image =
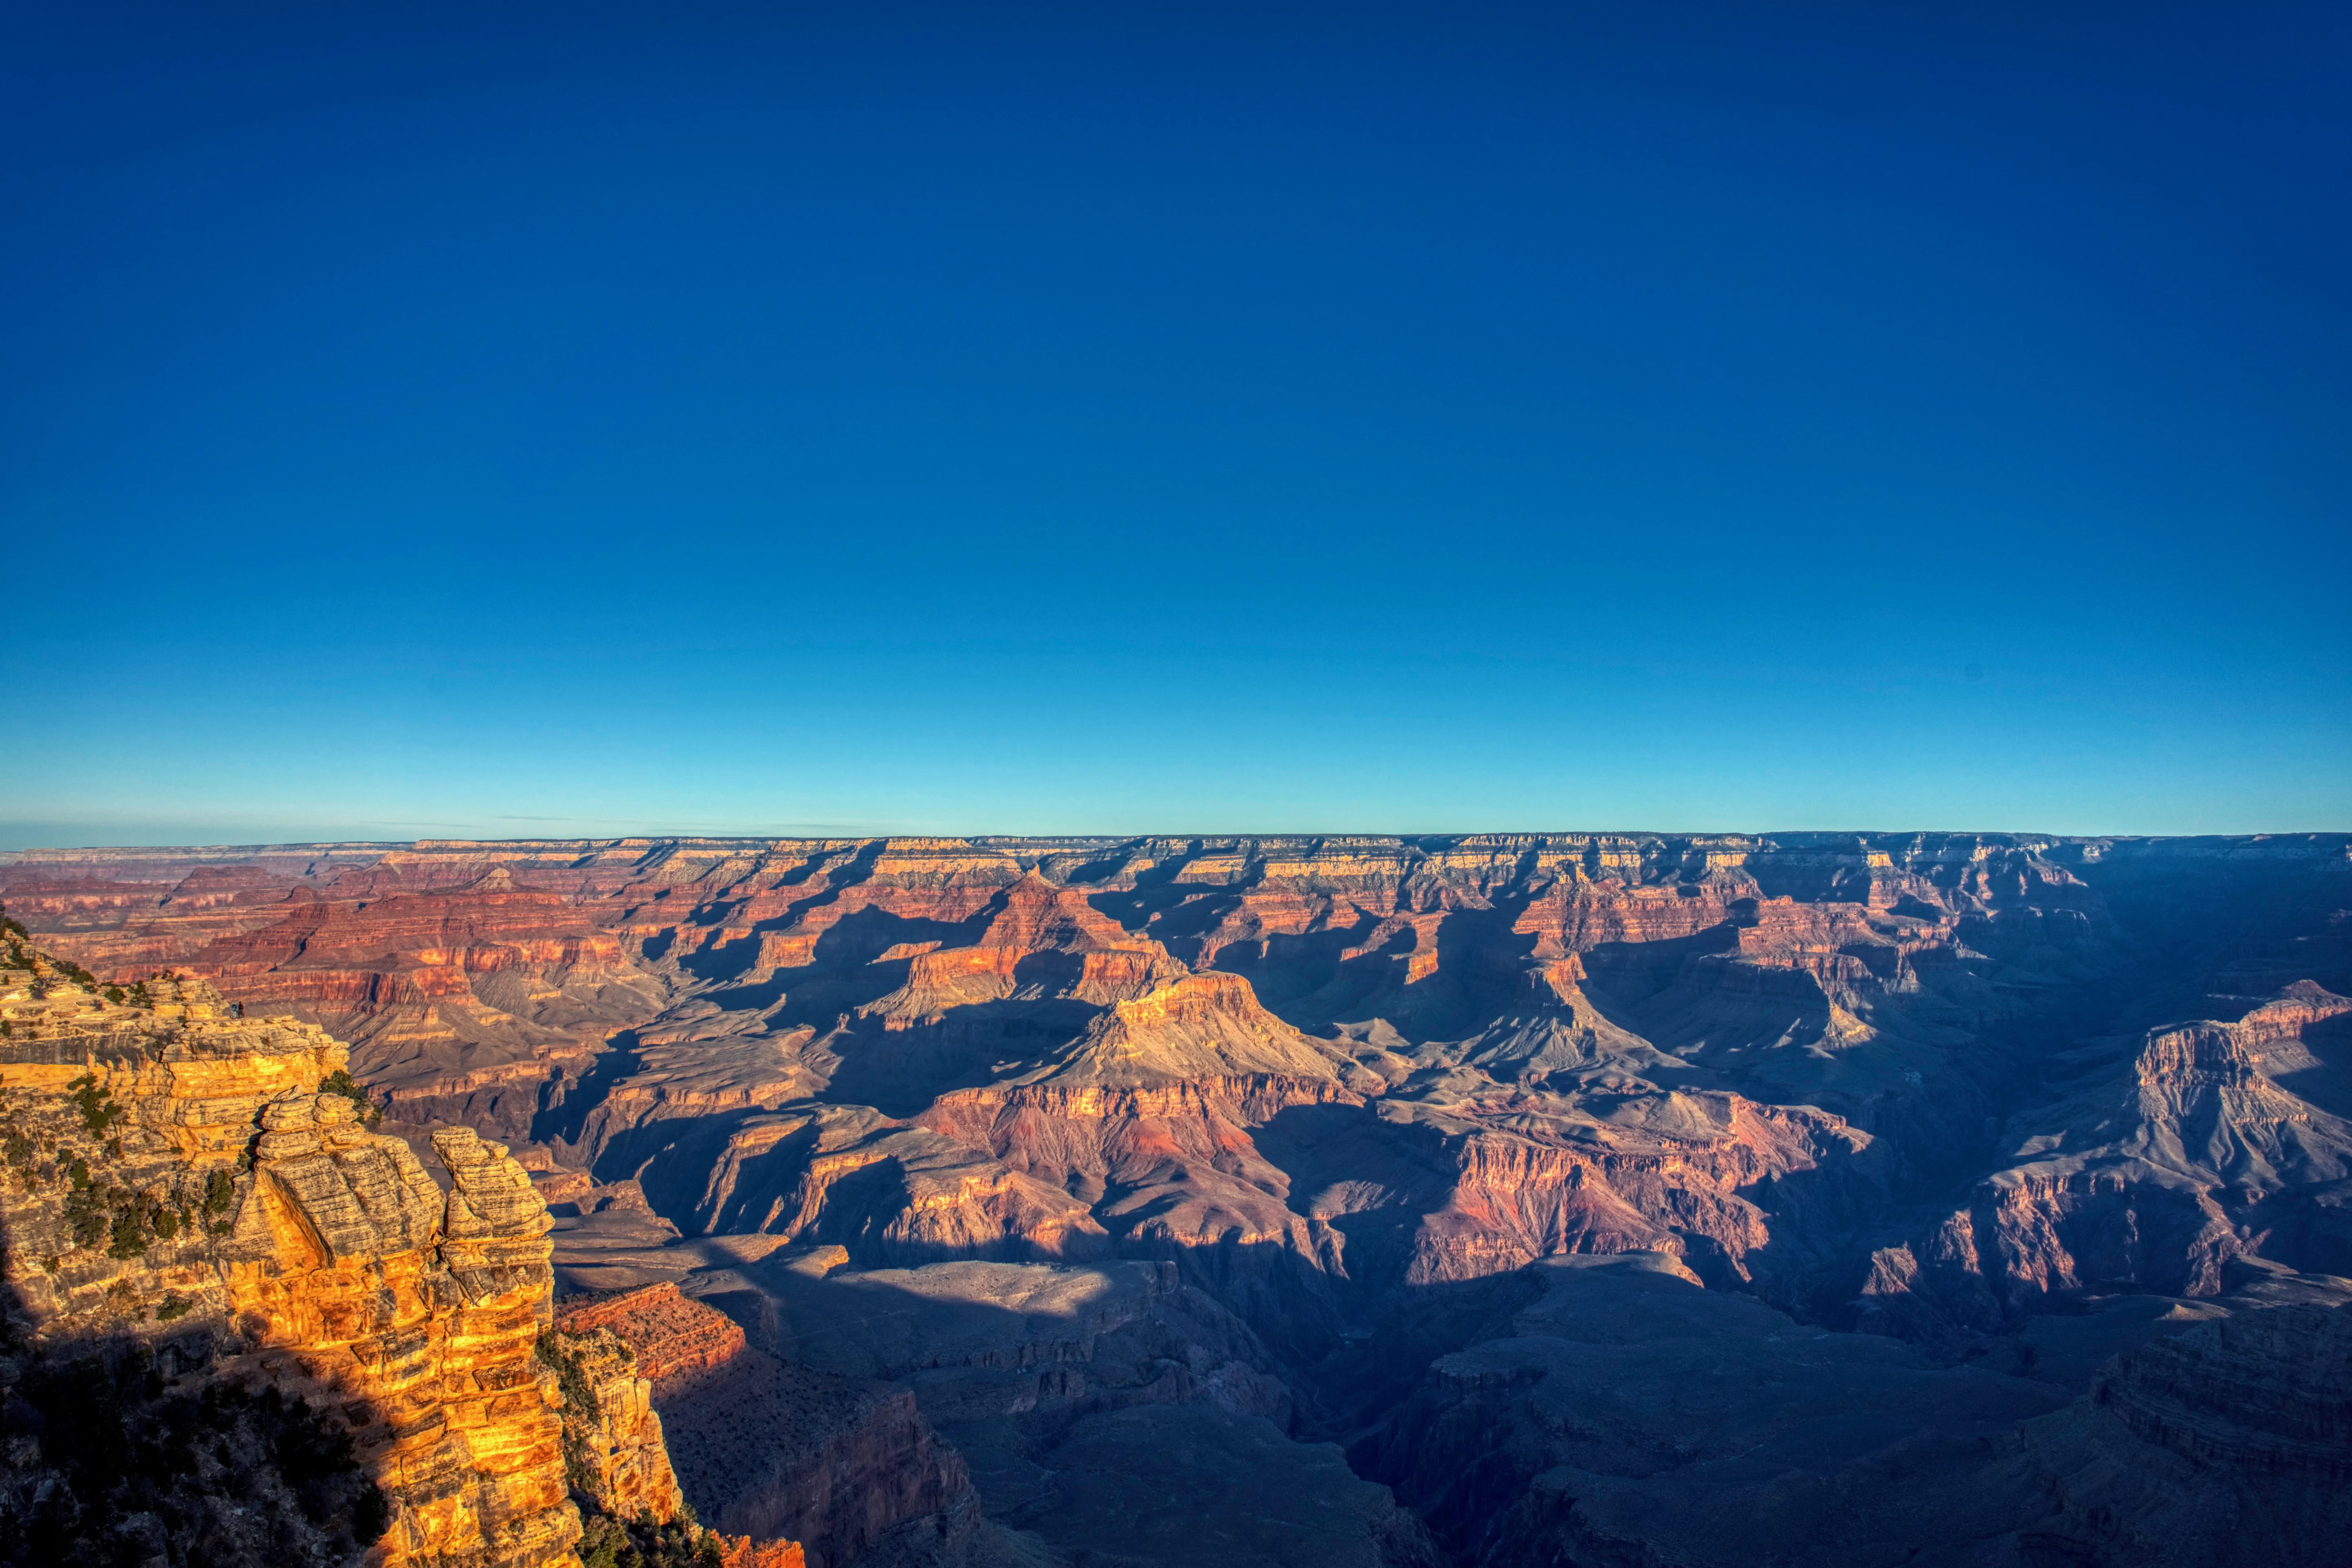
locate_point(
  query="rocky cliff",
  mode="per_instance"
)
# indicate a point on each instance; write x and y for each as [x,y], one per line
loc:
[196,1216]
[773,1450]
[184,1190]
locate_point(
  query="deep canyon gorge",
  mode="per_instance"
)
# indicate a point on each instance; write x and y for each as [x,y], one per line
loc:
[1595,1199]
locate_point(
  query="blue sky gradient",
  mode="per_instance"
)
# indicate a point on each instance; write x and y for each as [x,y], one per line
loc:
[556,420]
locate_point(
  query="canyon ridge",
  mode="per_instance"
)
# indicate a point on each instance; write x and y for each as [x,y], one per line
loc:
[1597,1199]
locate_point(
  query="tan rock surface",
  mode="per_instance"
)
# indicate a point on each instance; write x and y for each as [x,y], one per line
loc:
[333,1266]
[613,1447]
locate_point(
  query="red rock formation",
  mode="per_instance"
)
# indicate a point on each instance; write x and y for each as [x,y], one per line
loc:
[611,1356]
[669,1335]
[1610,981]
[126,914]
[1033,921]
[1327,1077]
[1676,1175]
[891,1192]
[1179,1157]
[743,1552]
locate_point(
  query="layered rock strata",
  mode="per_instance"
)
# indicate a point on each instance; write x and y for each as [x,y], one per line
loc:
[179,1176]
[664,1335]
[612,1449]
[1942,1087]
[2177,1152]
[180,1190]
[616,1453]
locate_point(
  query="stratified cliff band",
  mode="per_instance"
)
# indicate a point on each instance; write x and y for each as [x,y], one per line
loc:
[244,1327]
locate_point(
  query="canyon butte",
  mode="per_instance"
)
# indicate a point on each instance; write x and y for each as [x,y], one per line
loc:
[1595,1199]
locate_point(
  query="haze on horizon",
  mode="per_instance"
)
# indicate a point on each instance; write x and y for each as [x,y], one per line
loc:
[570,422]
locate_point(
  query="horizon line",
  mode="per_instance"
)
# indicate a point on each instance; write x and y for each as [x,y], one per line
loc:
[1117,838]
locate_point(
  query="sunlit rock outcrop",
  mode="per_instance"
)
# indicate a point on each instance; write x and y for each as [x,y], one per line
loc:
[183,1186]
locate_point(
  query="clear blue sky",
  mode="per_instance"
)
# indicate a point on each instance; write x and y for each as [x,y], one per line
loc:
[511,420]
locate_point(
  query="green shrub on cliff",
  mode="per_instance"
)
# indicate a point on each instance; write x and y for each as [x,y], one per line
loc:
[609,1542]
[129,1231]
[579,1409]
[341,1082]
[91,1097]
[74,972]
[88,1216]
